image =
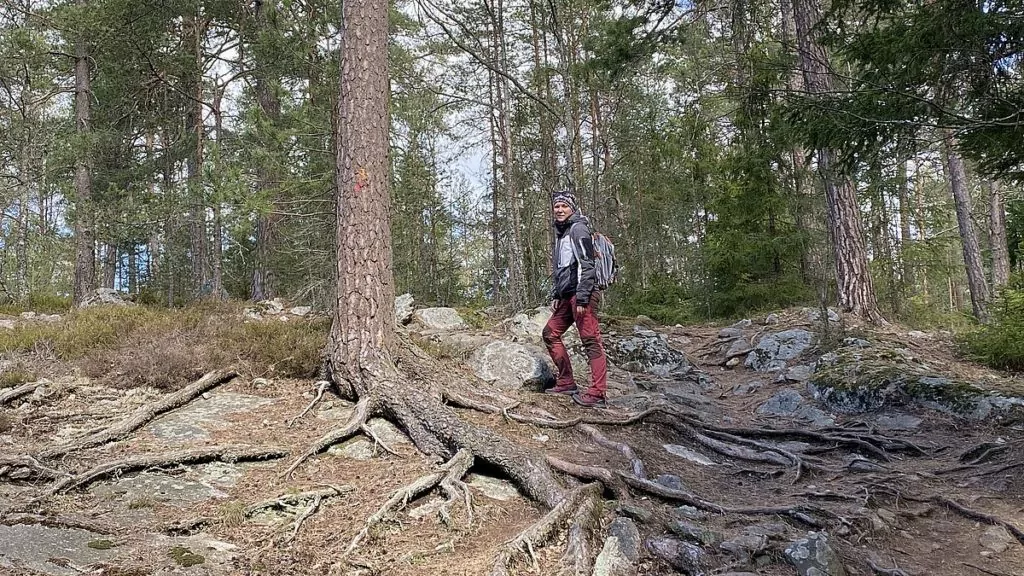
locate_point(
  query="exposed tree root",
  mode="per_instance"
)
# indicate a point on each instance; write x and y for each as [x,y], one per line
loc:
[983,570]
[541,531]
[735,451]
[879,571]
[450,472]
[796,511]
[286,502]
[578,557]
[602,475]
[355,424]
[18,391]
[862,441]
[198,456]
[972,514]
[634,461]
[377,441]
[144,414]
[59,521]
[324,385]
[313,507]
[463,401]
[439,431]
[25,467]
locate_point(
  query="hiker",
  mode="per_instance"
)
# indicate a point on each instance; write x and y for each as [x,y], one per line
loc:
[574,298]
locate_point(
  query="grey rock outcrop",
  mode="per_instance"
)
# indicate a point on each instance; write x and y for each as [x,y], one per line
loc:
[774,351]
[439,319]
[510,365]
[814,556]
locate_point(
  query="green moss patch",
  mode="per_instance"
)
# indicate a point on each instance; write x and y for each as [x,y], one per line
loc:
[185,557]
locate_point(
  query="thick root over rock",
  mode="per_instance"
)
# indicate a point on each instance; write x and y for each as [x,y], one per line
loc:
[448,475]
[144,415]
[524,544]
[198,456]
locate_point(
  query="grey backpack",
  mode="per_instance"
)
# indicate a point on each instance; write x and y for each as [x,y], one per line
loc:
[604,260]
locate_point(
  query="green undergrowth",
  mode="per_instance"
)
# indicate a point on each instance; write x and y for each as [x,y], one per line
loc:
[130,346]
[1000,343]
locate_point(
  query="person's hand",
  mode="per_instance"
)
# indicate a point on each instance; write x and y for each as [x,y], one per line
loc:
[580,310]
[554,305]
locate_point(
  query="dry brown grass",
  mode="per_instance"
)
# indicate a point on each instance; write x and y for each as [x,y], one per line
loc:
[166,348]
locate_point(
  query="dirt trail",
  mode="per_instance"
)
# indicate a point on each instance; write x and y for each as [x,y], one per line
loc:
[877,500]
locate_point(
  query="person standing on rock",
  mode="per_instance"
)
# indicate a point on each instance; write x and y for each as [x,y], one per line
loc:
[574,299]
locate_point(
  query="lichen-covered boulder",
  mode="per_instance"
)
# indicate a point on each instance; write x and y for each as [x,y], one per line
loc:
[529,324]
[404,308]
[646,351]
[774,351]
[105,297]
[510,365]
[621,550]
[855,379]
[813,556]
[439,319]
[683,556]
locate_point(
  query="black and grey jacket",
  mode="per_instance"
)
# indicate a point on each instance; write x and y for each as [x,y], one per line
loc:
[573,261]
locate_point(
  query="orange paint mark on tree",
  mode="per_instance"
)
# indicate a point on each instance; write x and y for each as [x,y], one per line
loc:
[362,179]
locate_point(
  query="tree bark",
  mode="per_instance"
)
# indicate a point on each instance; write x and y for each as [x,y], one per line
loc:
[957,175]
[853,277]
[269,178]
[905,209]
[217,248]
[997,236]
[363,331]
[197,203]
[85,263]
[109,267]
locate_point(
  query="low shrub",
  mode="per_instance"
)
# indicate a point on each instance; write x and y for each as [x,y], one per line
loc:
[1000,343]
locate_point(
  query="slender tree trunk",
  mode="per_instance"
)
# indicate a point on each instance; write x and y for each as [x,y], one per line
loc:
[805,212]
[508,164]
[109,265]
[85,264]
[153,242]
[197,208]
[905,210]
[496,260]
[263,280]
[133,270]
[363,332]
[922,230]
[853,277]
[217,247]
[957,176]
[997,236]
[21,283]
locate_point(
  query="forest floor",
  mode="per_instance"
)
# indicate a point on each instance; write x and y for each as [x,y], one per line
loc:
[884,507]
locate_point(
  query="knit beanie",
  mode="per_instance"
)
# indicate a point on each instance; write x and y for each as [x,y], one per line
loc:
[567,198]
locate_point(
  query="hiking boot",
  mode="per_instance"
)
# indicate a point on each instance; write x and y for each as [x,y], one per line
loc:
[564,389]
[588,401]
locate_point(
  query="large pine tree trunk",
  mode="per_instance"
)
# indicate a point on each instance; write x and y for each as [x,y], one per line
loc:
[363,342]
[957,176]
[997,236]
[85,262]
[853,278]
[362,336]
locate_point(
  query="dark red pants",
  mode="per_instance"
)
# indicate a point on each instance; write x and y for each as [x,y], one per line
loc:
[590,333]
